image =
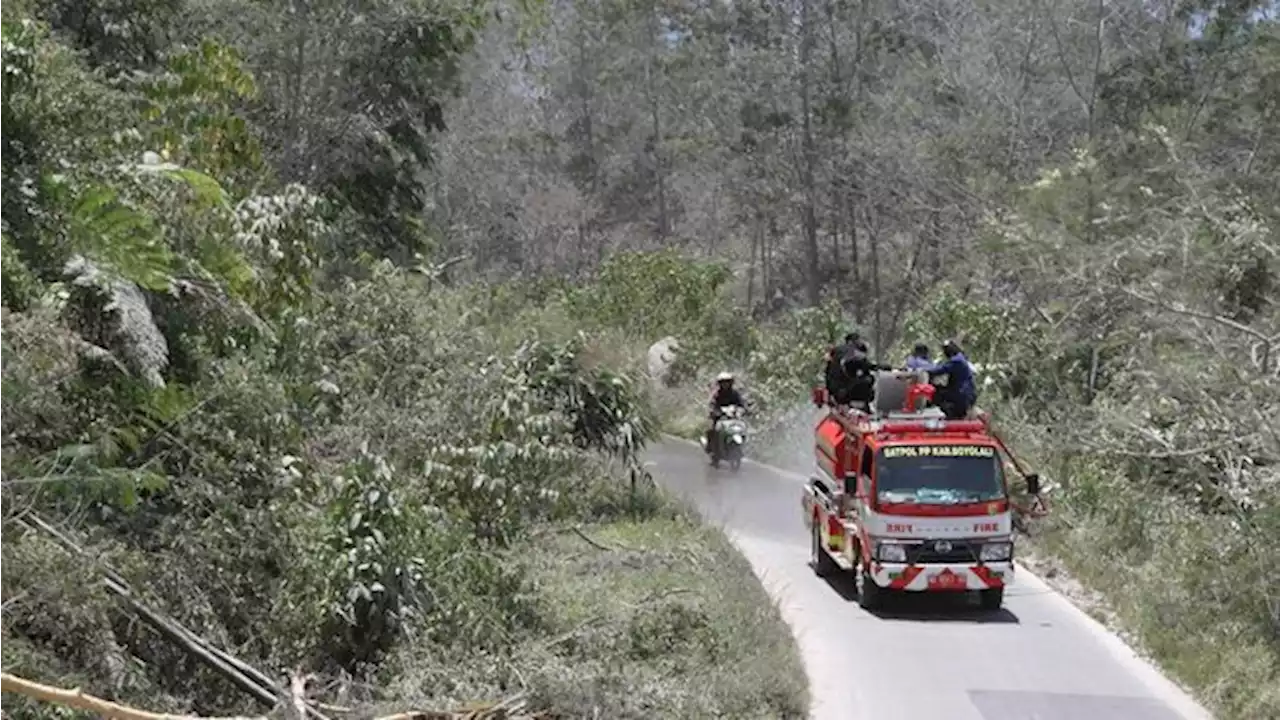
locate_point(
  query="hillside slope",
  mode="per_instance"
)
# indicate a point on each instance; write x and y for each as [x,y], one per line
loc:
[239,387]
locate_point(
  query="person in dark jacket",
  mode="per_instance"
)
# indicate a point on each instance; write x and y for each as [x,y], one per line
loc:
[838,381]
[860,370]
[725,395]
[957,397]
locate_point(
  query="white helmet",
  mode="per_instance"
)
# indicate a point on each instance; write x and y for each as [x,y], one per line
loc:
[724,377]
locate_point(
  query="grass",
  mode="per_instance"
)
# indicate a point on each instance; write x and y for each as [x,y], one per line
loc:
[1153,599]
[668,599]
[1176,584]
[680,410]
[657,618]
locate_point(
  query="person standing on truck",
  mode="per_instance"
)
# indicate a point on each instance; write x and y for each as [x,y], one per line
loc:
[862,380]
[957,397]
[919,359]
[861,370]
[837,380]
[725,395]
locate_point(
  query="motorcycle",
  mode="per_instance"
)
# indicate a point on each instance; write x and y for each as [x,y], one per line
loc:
[730,437]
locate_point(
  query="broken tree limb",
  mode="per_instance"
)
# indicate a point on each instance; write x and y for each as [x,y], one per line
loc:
[508,709]
[241,674]
[75,698]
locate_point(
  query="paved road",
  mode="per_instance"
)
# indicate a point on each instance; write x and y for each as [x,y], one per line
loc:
[932,658]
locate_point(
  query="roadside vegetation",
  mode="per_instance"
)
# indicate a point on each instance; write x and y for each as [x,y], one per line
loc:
[241,383]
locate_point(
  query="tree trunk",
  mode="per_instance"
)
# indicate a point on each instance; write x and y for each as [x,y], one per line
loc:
[859,286]
[757,237]
[655,116]
[813,282]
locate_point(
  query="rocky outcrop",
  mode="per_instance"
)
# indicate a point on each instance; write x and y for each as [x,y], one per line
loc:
[662,356]
[114,314]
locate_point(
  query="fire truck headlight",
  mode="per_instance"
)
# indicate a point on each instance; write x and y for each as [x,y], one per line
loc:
[997,552]
[891,552]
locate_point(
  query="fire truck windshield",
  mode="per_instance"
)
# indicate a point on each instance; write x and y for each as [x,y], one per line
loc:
[944,474]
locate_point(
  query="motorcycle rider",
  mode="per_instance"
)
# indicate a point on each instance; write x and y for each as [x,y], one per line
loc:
[725,395]
[958,396]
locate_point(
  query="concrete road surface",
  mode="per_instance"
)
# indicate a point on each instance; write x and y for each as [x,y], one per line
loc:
[929,658]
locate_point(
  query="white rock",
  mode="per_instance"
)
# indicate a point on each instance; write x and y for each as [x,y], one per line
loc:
[662,355]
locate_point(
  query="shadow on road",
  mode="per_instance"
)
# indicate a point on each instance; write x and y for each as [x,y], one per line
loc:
[926,607]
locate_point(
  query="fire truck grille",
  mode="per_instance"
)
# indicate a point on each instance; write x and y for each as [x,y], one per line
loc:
[942,551]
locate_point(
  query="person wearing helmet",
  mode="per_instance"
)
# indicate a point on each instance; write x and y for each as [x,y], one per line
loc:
[725,395]
[957,397]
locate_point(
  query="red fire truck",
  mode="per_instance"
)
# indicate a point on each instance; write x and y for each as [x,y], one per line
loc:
[908,500]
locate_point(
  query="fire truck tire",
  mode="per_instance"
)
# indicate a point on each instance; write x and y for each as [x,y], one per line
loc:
[870,595]
[991,598]
[819,558]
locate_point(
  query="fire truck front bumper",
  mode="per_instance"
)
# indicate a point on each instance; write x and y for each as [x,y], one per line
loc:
[957,577]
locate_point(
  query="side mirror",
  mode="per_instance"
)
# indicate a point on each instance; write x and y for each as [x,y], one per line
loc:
[1033,483]
[820,396]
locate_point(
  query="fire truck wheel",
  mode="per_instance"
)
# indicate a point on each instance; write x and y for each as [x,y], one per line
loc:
[870,595]
[991,598]
[823,565]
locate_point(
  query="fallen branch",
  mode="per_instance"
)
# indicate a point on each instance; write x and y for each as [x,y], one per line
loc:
[76,698]
[1180,309]
[241,674]
[9,601]
[1165,454]
[593,543]
[577,530]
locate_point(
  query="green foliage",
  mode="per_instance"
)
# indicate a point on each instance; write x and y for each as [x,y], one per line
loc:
[375,585]
[395,566]
[311,469]
[653,294]
[117,35]
[19,46]
[18,283]
[788,358]
[121,241]
[19,38]
[40,357]
[986,332]
[193,109]
[279,234]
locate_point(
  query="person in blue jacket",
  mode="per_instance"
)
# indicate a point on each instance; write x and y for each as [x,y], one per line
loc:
[919,358]
[961,392]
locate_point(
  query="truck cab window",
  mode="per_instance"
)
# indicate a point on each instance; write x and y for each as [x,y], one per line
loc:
[930,478]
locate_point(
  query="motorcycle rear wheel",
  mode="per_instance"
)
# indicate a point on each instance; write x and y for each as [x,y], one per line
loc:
[735,458]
